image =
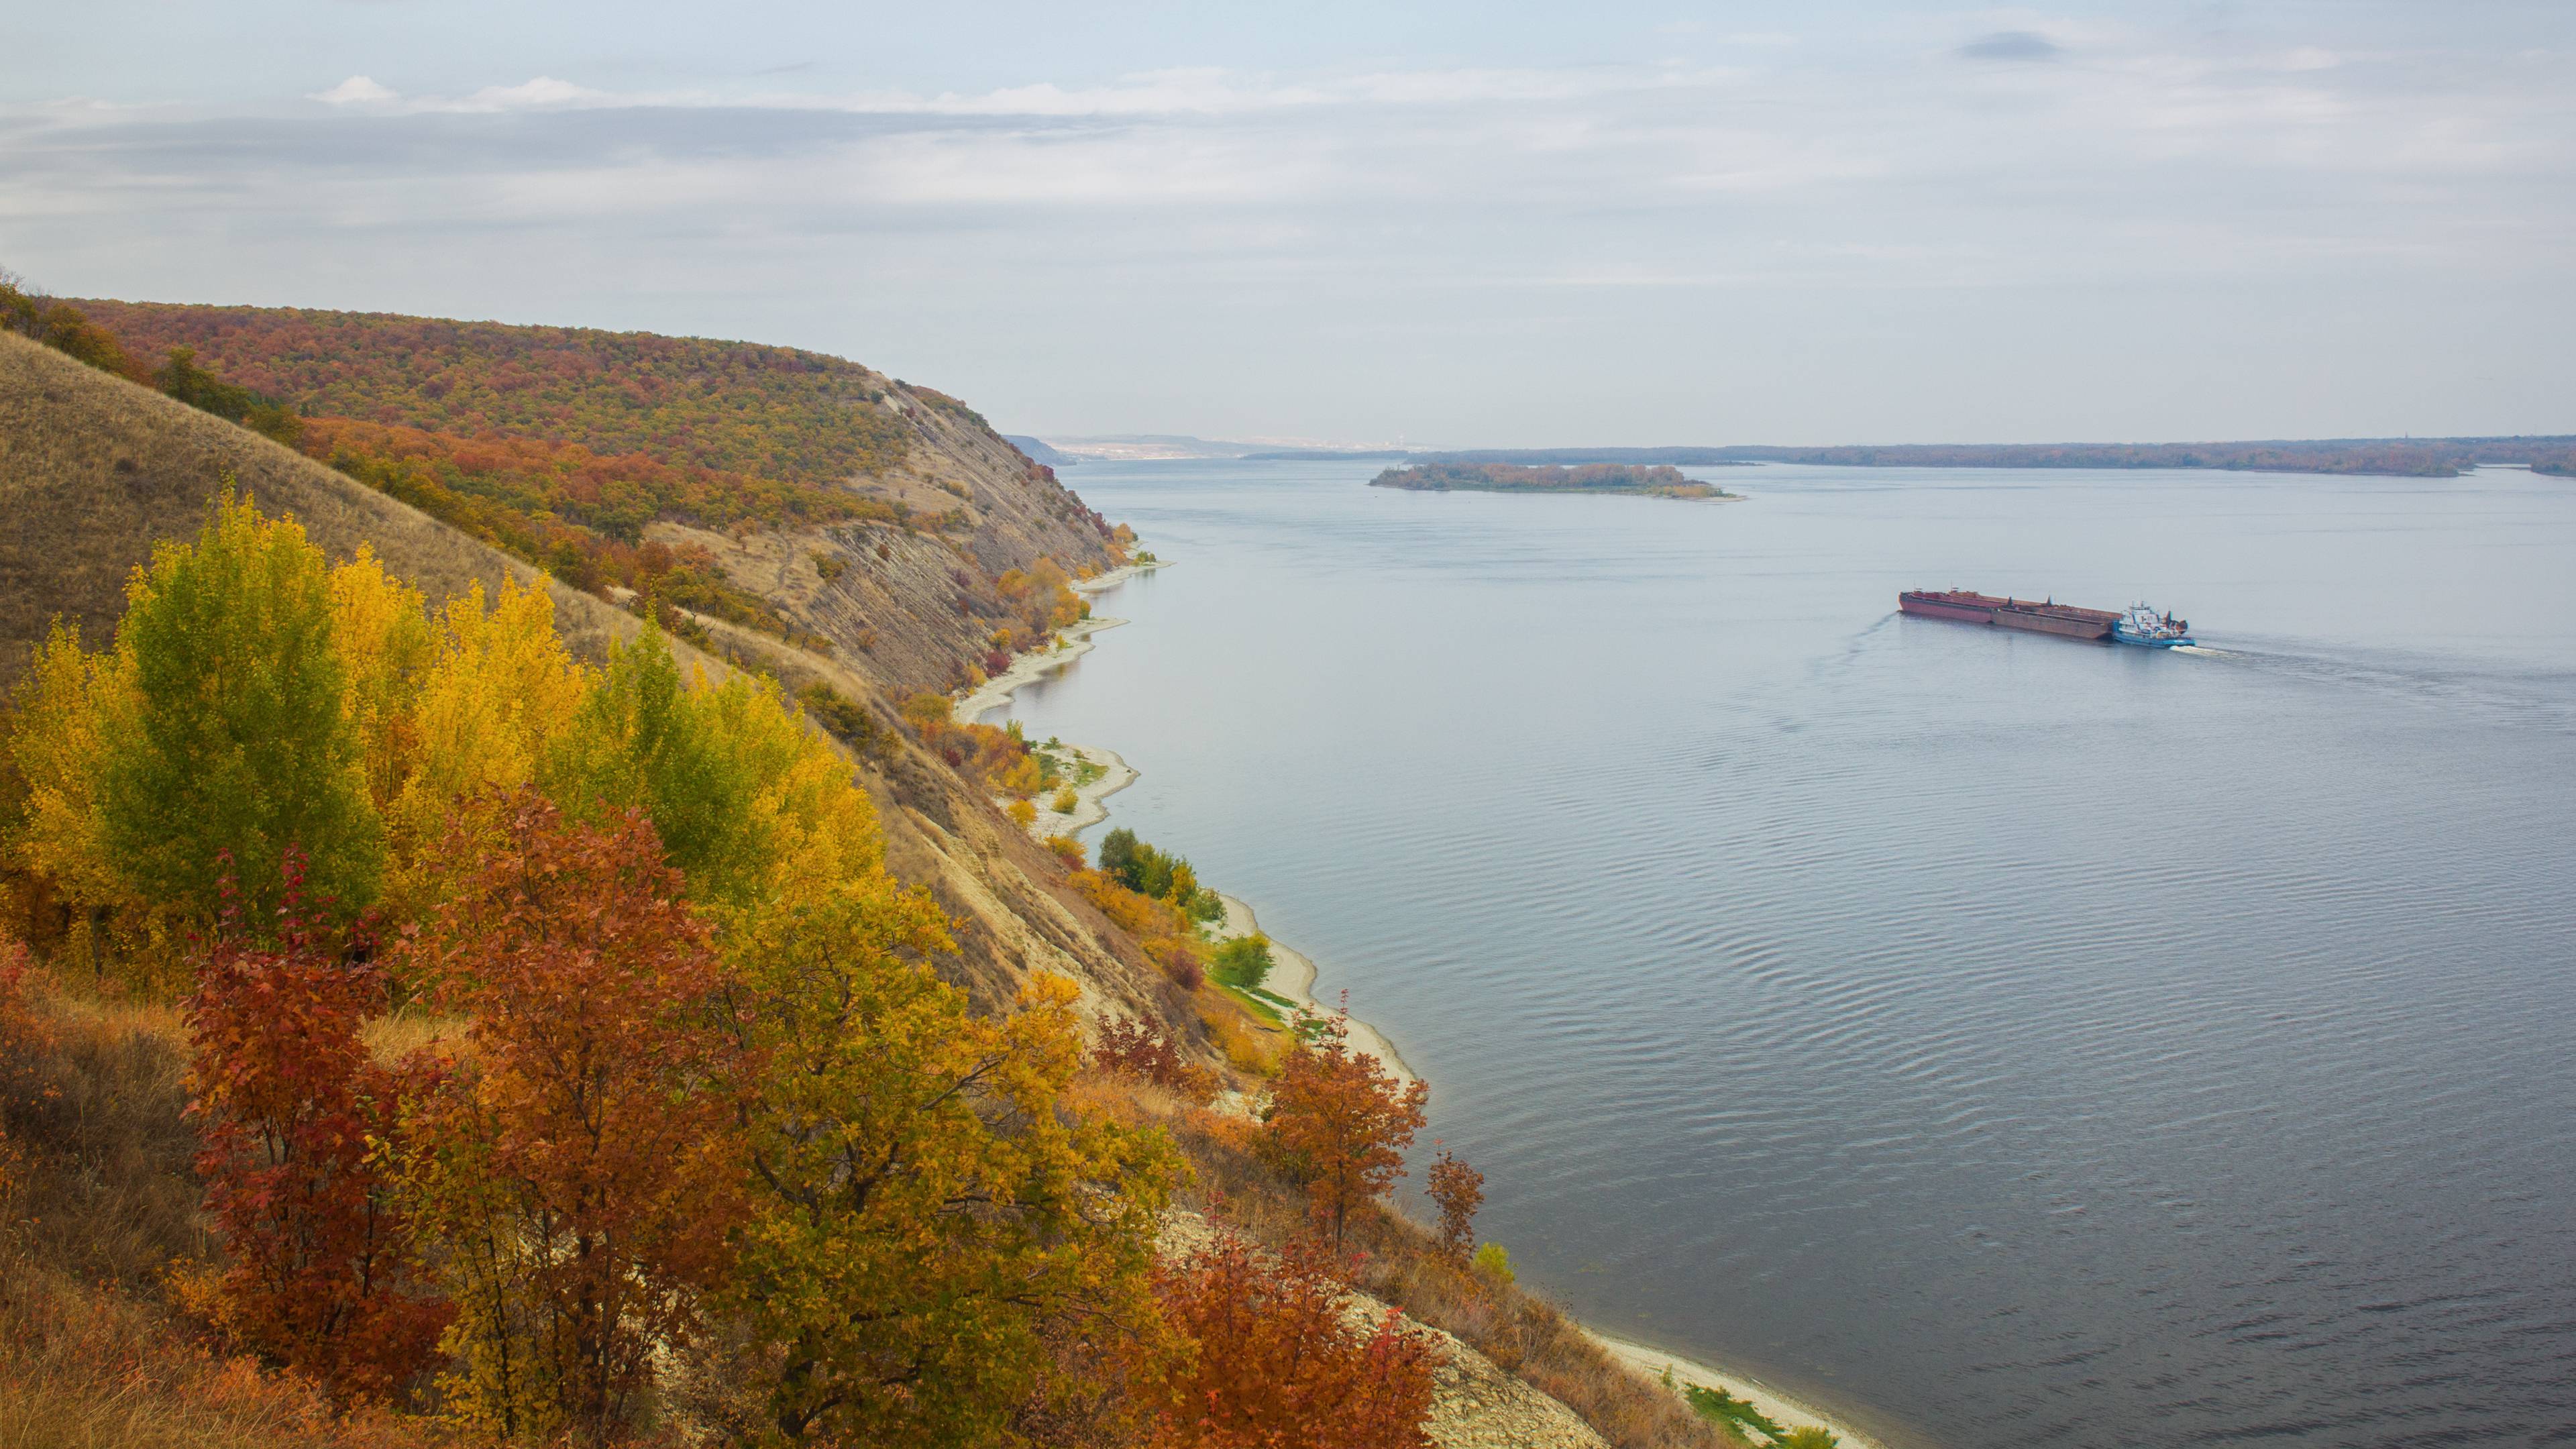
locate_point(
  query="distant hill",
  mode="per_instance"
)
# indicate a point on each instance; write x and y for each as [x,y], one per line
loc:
[1039,452]
[2391,457]
[1147,446]
[2400,457]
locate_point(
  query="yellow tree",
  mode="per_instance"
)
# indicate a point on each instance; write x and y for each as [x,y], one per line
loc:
[382,631]
[928,1229]
[56,747]
[499,691]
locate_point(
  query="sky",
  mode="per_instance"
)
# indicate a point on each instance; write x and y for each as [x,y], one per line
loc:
[1461,225]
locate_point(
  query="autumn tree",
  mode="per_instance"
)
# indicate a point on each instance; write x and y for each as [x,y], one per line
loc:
[235,737]
[55,746]
[1458,1190]
[581,1166]
[1340,1124]
[1280,1363]
[925,1225]
[296,1121]
[497,694]
[729,775]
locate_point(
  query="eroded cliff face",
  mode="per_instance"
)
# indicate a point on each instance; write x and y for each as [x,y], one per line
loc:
[95,470]
[911,604]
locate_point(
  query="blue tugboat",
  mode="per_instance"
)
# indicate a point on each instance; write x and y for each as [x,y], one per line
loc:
[2144,627]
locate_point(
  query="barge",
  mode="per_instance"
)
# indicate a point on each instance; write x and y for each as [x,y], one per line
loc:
[2038,616]
[2140,625]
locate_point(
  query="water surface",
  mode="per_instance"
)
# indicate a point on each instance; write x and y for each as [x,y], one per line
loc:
[2001,1039]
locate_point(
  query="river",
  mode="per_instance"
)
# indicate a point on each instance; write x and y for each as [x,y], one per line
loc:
[1997,1039]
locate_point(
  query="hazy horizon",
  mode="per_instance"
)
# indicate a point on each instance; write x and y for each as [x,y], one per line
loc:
[1793,225]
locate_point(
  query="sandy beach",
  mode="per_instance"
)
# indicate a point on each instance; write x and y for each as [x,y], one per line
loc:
[1294,978]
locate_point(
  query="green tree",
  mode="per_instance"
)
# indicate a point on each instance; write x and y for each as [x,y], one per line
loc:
[641,743]
[730,776]
[1117,850]
[238,742]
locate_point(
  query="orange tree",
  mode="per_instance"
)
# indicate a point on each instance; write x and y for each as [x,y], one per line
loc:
[1340,1124]
[318,1273]
[1280,1365]
[581,1165]
[1458,1190]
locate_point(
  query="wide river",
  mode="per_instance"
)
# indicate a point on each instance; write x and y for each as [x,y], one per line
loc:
[2000,1040]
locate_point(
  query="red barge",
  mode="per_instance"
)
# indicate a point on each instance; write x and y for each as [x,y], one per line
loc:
[2040,617]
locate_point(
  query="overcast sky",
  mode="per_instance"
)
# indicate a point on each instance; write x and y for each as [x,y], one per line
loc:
[1595,223]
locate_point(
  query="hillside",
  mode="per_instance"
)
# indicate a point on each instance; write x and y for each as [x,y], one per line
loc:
[803,496]
[98,470]
[95,470]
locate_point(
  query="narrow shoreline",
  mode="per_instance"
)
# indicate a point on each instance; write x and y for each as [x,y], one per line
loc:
[1786,1410]
[1294,978]
[1071,643]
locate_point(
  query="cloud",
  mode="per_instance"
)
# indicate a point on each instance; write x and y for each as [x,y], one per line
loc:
[354,90]
[544,90]
[2012,45]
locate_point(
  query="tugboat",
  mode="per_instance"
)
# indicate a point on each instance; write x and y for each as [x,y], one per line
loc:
[2144,627]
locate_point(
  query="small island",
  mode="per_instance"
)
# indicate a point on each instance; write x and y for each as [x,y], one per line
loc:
[1659,481]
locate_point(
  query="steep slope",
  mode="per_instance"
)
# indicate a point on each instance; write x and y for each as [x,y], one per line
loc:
[872,515]
[95,470]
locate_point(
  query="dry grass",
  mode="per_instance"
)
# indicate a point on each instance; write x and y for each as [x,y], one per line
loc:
[97,1203]
[94,470]
[407,1029]
[83,1367]
[92,1105]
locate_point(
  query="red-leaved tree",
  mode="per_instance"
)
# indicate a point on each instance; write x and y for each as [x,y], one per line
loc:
[298,1122]
[1458,1190]
[1339,1123]
[1280,1364]
[583,1166]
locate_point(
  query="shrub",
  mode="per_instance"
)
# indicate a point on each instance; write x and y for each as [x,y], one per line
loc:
[297,1117]
[1023,814]
[1244,961]
[1066,801]
[1280,1364]
[1129,1048]
[1494,1263]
